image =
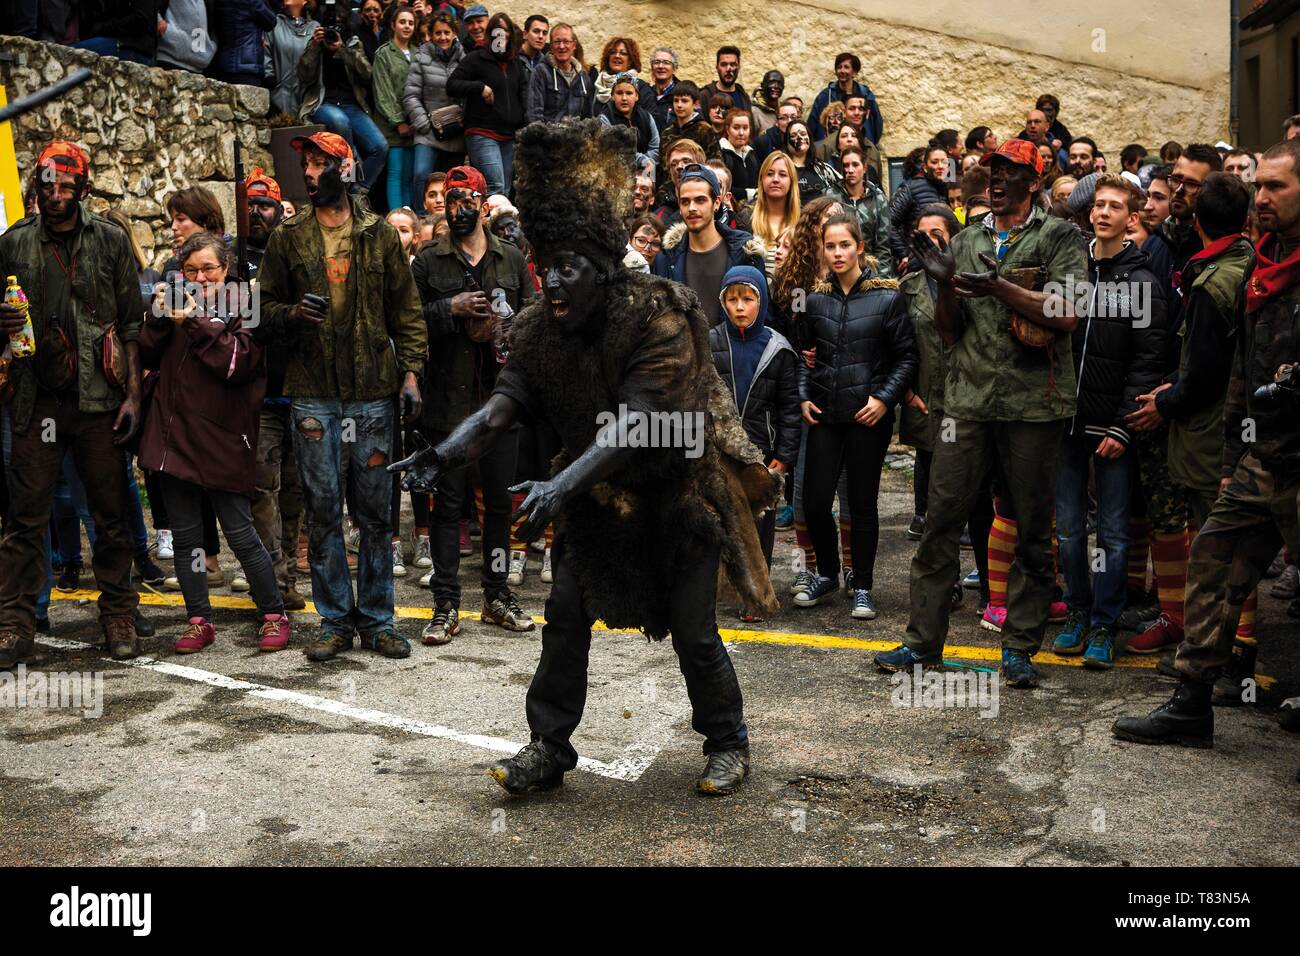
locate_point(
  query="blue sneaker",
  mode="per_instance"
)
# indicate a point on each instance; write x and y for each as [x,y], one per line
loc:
[1017,669]
[802,580]
[863,609]
[971,582]
[1100,655]
[903,658]
[1072,638]
[818,590]
[785,518]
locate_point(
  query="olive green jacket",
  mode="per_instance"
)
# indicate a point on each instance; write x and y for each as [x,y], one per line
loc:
[105,292]
[388,336]
[914,427]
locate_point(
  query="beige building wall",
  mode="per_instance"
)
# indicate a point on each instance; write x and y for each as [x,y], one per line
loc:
[1158,69]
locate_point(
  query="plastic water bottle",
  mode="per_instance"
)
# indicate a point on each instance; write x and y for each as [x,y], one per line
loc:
[504,314]
[23,342]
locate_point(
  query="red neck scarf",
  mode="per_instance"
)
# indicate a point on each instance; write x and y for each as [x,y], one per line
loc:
[1215,249]
[1270,278]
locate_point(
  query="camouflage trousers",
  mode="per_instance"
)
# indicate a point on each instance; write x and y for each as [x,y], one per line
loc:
[1249,521]
[1166,503]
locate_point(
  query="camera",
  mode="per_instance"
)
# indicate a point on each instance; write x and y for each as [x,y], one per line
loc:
[1285,382]
[336,19]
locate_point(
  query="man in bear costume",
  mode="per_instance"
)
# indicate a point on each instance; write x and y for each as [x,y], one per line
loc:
[644,535]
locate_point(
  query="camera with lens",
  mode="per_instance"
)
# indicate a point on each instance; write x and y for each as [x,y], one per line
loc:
[1286,382]
[336,20]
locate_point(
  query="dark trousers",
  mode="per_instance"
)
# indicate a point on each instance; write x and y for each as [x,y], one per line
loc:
[921,481]
[57,426]
[277,506]
[862,449]
[559,690]
[497,472]
[1028,453]
[1249,521]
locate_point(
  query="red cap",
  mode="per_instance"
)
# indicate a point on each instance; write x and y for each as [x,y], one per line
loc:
[332,144]
[259,184]
[465,177]
[1017,151]
[67,155]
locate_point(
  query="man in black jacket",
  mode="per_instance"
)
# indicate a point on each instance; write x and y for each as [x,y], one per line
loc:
[1118,355]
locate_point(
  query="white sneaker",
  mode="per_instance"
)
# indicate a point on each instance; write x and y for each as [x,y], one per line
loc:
[547,577]
[239,583]
[426,578]
[172,583]
[518,563]
[423,556]
[399,565]
[539,545]
[166,547]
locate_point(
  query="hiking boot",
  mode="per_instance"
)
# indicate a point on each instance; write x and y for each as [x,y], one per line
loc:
[293,600]
[444,626]
[1287,586]
[120,638]
[399,563]
[916,528]
[994,618]
[1164,632]
[547,575]
[423,553]
[518,564]
[273,633]
[785,518]
[1100,655]
[816,591]
[863,609]
[530,770]
[903,658]
[723,772]
[143,627]
[503,610]
[387,642]
[327,647]
[1072,638]
[1186,719]
[1238,676]
[1017,669]
[802,580]
[197,635]
[69,580]
[14,649]
[149,572]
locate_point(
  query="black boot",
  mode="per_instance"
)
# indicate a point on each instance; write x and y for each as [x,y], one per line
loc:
[724,772]
[1187,719]
[533,768]
[142,625]
[1231,689]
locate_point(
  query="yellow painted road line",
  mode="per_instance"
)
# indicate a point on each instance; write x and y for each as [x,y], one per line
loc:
[732,635]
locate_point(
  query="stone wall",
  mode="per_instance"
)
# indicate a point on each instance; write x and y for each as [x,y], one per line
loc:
[148,131]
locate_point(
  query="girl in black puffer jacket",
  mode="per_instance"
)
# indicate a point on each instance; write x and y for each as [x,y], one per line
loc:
[866,360]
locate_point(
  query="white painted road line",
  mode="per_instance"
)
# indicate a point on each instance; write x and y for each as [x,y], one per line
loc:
[634,762]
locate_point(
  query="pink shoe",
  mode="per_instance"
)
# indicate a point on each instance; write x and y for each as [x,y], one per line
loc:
[274,633]
[995,616]
[1058,612]
[466,548]
[197,635]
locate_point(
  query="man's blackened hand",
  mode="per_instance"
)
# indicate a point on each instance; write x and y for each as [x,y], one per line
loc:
[310,310]
[935,258]
[410,401]
[127,422]
[542,503]
[12,320]
[421,471]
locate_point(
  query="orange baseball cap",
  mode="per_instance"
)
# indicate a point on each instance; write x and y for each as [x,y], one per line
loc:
[332,144]
[1019,151]
[465,177]
[258,184]
[68,155]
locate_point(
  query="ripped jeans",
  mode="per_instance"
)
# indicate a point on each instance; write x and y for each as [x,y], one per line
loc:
[324,430]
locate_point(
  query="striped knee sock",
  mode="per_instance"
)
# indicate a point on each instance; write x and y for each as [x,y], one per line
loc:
[1002,551]
[516,502]
[1169,557]
[846,543]
[1246,626]
[803,540]
[1139,548]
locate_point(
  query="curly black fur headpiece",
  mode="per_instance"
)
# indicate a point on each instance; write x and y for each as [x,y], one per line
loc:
[573,186]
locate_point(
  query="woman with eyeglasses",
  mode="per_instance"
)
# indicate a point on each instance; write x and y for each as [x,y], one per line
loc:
[646,240]
[200,432]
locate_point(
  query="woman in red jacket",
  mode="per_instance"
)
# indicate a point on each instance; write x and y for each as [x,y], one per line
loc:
[200,432]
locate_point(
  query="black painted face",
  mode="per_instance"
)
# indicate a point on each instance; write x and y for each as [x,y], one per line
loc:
[263,216]
[57,195]
[573,288]
[508,228]
[773,85]
[463,211]
[323,175]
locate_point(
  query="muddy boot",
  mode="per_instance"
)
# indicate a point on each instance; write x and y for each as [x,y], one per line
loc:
[1187,719]
[121,639]
[14,649]
[724,772]
[532,769]
[1237,682]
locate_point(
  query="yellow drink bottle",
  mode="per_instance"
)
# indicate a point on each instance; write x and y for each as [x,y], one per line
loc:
[23,342]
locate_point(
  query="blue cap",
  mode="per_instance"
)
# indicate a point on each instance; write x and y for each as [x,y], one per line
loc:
[475,10]
[700,171]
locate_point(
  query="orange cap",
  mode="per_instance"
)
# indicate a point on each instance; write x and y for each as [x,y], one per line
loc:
[68,155]
[1018,151]
[259,183]
[332,144]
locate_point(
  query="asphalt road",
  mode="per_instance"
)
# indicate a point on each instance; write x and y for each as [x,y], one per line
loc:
[236,757]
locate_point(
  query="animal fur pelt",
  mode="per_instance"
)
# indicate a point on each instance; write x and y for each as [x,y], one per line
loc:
[622,538]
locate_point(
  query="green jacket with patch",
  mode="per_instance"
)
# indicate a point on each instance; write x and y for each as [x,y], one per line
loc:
[387,337]
[105,292]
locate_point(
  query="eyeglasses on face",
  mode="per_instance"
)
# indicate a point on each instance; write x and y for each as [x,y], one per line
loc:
[212,269]
[646,243]
[1177,182]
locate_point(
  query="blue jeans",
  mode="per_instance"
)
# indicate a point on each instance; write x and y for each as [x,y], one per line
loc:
[398,177]
[324,430]
[368,144]
[1101,591]
[428,159]
[495,160]
[108,46]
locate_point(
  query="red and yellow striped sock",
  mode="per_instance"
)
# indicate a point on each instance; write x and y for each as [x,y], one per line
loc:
[804,541]
[1246,626]
[1002,551]
[1139,549]
[846,543]
[516,502]
[549,535]
[1169,558]
[478,506]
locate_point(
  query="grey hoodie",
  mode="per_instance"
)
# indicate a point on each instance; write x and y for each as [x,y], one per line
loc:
[287,40]
[187,43]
